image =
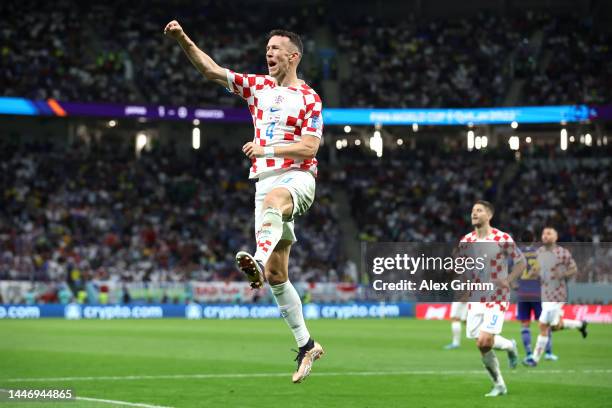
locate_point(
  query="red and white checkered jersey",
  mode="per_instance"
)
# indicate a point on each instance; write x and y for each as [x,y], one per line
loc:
[281,116]
[497,249]
[554,262]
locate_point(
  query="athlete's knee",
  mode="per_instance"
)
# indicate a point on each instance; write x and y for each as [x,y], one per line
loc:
[484,343]
[276,275]
[483,348]
[275,198]
[280,199]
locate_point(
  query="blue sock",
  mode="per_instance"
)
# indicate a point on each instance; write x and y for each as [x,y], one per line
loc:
[549,344]
[526,336]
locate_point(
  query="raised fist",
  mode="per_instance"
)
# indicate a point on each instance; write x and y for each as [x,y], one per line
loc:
[173,30]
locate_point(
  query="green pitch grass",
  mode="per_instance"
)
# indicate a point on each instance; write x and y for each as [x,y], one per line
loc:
[248,363]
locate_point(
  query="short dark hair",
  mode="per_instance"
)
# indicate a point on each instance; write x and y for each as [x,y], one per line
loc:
[486,205]
[550,226]
[294,38]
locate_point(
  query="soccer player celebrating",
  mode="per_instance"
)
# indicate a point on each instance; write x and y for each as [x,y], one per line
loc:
[458,314]
[556,266]
[529,296]
[288,125]
[485,318]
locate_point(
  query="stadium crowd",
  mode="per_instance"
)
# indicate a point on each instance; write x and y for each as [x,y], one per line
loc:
[572,194]
[63,51]
[97,213]
[576,65]
[416,196]
[81,215]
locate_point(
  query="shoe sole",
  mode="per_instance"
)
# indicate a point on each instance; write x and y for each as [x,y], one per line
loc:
[246,263]
[315,354]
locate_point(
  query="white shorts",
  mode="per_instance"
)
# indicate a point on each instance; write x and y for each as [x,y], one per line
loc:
[483,318]
[300,184]
[459,310]
[552,313]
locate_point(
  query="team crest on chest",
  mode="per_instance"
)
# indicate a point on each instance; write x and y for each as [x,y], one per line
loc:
[279,100]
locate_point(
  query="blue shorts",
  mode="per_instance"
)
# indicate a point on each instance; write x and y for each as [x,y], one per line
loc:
[524,310]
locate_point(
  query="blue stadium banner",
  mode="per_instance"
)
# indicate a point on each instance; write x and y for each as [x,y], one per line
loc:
[74,311]
[454,117]
[331,116]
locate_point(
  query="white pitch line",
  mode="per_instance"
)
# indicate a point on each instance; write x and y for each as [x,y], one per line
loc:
[123,403]
[113,402]
[318,374]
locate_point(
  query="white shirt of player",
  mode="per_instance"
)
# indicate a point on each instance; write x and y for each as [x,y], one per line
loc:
[497,249]
[281,116]
[554,262]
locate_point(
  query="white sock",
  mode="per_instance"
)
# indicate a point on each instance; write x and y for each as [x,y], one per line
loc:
[269,234]
[491,363]
[540,347]
[572,324]
[456,329]
[290,306]
[502,343]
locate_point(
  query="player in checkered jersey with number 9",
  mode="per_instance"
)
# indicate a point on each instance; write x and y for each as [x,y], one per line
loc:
[486,311]
[288,125]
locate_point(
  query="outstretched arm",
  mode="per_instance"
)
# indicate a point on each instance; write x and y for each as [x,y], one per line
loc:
[203,63]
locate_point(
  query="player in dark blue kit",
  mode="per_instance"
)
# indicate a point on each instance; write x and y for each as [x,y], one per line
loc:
[529,296]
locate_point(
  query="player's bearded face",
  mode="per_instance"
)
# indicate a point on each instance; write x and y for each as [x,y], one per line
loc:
[480,215]
[549,236]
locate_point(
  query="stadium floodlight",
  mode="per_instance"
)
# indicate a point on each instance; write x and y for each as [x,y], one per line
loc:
[470,140]
[376,143]
[338,144]
[141,141]
[195,138]
[357,142]
[112,123]
[572,139]
[514,124]
[400,142]
[563,141]
[605,140]
[344,143]
[581,139]
[514,142]
[478,143]
[196,122]
[347,129]
[415,127]
[588,139]
[528,139]
[484,141]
